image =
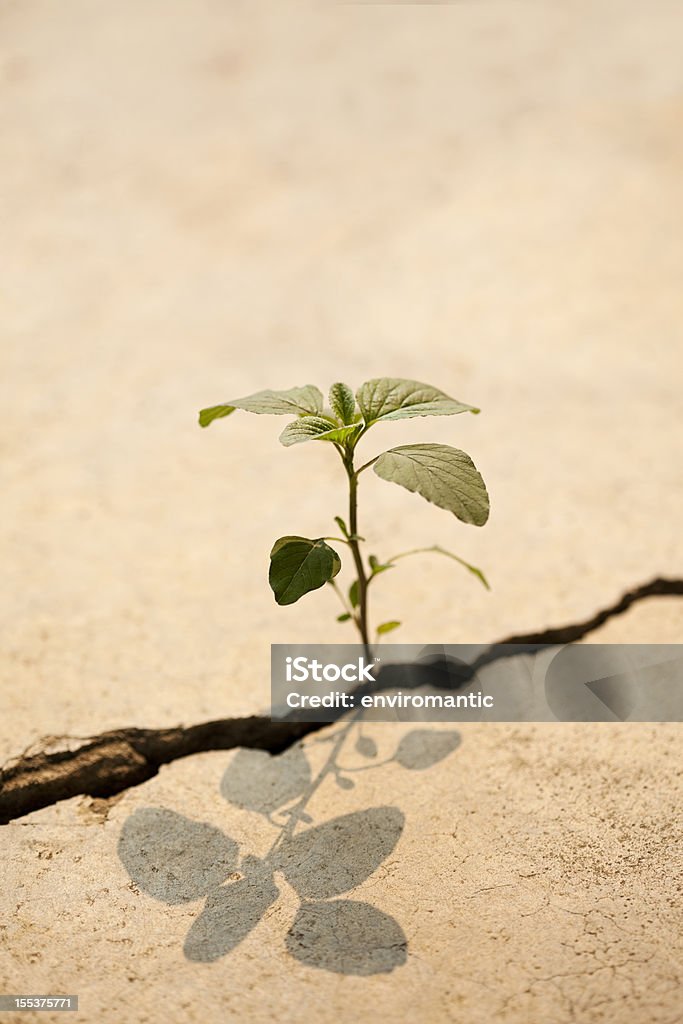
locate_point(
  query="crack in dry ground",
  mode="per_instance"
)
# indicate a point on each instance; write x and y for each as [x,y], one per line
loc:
[114,761]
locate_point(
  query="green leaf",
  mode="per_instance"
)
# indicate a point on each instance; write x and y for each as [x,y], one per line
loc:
[299,565]
[342,402]
[443,475]
[342,526]
[344,617]
[467,565]
[313,428]
[214,412]
[437,549]
[376,566]
[340,434]
[388,627]
[353,594]
[295,401]
[394,398]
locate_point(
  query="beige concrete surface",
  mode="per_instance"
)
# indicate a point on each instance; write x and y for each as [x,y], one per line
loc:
[540,885]
[202,200]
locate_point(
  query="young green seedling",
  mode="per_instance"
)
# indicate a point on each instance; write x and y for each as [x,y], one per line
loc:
[442,475]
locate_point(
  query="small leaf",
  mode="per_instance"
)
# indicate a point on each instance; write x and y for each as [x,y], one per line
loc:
[394,398]
[313,428]
[345,783]
[342,402]
[337,856]
[294,401]
[173,858]
[382,568]
[342,526]
[347,937]
[423,748]
[366,746]
[437,549]
[299,565]
[376,567]
[443,475]
[214,412]
[341,434]
[257,781]
[354,598]
[344,617]
[388,627]
[467,565]
[231,912]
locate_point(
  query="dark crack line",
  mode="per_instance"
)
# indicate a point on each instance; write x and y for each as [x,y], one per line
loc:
[117,760]
[114,761]
[659,587]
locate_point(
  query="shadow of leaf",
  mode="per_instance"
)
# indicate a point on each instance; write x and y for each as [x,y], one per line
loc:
[231,912]
[173,858]
[257,781]
[366,746]
[339,855]
[421,748]
[347,937]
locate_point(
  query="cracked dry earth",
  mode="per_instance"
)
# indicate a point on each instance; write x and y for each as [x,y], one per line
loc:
[205,200]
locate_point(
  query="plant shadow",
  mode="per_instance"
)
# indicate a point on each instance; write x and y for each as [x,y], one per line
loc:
[177,860]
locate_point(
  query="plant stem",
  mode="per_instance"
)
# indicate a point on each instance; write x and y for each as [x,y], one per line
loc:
[328,768]
[438,550]
[345,604]
[366,465]
[362,619]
